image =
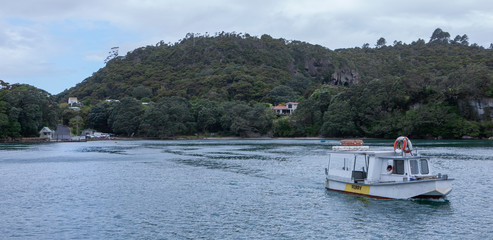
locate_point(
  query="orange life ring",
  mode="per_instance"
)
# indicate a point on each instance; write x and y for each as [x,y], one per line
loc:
[404,141]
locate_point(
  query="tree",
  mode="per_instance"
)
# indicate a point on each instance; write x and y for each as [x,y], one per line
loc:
[298,84]
[76,124]
[282,94]
[440,37]
[282,127]
[166,118]
[30,108]
[243,120]
[339,120]
[113,53]
[381,42]
[308,116]
[4,120]
[141,92]
[125,116]
[462,40]
[207,115]
[98,117]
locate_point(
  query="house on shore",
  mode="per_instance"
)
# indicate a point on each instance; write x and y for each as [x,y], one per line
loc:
[62,133]
[287,109]
[46,133]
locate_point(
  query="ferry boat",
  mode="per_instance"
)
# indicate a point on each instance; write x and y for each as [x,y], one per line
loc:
[396,174]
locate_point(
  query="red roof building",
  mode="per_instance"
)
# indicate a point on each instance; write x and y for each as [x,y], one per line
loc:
[287,109]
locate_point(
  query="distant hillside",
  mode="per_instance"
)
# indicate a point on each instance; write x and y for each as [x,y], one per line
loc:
[224,67]
[224,85]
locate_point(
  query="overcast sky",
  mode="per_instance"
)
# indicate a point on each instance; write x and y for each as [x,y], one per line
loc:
[55,44]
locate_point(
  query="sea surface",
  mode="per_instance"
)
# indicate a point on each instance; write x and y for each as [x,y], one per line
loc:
[227,189]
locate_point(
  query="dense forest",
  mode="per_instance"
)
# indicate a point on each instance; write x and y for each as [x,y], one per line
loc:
[226,84]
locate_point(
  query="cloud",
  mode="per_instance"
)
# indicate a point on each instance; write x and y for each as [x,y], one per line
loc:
[59,39]
[22,49]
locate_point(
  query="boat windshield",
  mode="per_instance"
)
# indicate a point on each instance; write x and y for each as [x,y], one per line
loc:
[419,166]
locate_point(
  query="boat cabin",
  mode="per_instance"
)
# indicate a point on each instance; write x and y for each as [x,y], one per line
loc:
[374,167]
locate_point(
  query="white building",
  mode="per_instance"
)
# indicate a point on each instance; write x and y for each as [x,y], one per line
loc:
[287,109]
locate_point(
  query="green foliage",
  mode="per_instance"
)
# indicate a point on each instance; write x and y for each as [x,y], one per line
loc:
[340,120]
[240,119]
[207,114]
[224,84]
[125,116]
[168,117]
[76,125]
[308,117]
[98,117]
[381,42]
[440,37]
[24,110]
[283,128]
[141,92]
[225,67]
[282,94]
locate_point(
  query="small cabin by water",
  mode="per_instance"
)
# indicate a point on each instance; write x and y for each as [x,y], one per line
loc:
[46,133]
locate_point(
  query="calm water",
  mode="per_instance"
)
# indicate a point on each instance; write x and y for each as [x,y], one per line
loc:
[227,189]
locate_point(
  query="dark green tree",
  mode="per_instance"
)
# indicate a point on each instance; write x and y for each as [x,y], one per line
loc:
[381,42]
[98,117]
[243,120]
[207,114]
[282,94]
[339,120]
[141,92]
[125,116]
[166,118]
[29,107]
[308,117]
[440,37]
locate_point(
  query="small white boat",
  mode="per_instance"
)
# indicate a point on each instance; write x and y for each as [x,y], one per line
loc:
[396,174]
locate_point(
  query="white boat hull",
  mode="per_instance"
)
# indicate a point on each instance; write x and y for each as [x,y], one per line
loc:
[433,188]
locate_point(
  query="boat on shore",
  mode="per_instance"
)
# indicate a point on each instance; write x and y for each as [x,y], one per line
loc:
[396,174]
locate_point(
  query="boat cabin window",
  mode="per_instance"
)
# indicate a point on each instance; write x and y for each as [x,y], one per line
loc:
[419,166]
[348,162]
[398,167]
[414,166]
[424,166]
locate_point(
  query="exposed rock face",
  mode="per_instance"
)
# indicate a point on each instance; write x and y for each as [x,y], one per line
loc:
[345,77]
[483,108]
[318,67]
[324,70]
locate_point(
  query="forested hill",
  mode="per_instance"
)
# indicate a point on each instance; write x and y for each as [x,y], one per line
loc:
[224,67]
[230,66]
[225,84]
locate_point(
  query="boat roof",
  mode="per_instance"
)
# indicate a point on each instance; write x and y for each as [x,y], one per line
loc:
[379,154]
[365,152]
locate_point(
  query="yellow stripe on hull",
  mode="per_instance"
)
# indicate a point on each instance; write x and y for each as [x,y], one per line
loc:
[360,189]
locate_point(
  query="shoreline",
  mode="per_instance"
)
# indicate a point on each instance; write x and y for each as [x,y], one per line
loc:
[44,140]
